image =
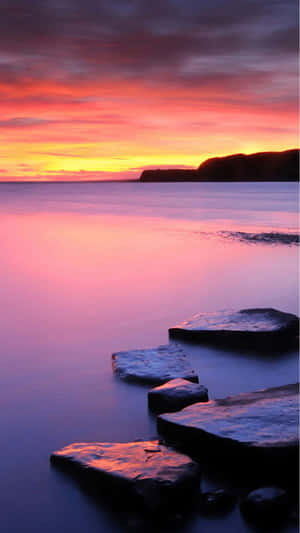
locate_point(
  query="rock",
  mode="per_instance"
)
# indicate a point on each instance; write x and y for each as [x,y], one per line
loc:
[153,475]
[216,501]
[136,523]
[261,427]
[154,366]
[176,394]
[262,238]
[261,327]
[294,514]
[266,504]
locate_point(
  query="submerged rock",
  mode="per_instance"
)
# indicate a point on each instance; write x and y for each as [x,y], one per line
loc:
[154,366]
[261,426]
[176,394]
[294,513]
[216,501]
[154,475]
[266,504]
[271,237]
[261,326]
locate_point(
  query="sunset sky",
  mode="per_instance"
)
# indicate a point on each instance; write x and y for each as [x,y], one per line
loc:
[93,89]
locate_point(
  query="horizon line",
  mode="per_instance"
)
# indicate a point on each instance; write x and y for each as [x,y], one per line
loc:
[68,181]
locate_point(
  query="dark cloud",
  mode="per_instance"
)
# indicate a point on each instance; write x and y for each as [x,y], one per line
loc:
[58,154]
[185,42]
[22,122]
[31,122]
[283,40]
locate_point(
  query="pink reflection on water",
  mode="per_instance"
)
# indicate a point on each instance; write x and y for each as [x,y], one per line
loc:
[73,275]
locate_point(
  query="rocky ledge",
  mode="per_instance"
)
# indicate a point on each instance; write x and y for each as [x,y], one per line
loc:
[153,366]
[260,426]
[175,395]
[270,237]
[155,476]
[262,327]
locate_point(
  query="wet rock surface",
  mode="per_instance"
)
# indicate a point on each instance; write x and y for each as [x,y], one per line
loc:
[153,366]
[262,424]
[294,514]
[263,238]
[261,326]
[266,505]
[216,501]
[152,474]
[175,395]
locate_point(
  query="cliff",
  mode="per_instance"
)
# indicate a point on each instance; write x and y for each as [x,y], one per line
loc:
[172,174]
[262,166]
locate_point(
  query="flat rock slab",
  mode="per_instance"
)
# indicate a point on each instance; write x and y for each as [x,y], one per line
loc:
[175,395]
[155,475]
[154,366]
[260,325]
[264,422]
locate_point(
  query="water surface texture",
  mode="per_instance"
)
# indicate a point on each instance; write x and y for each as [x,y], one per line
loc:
[93,268]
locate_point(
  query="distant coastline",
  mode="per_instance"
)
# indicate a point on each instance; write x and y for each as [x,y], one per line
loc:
[258,167]
[261,166]
[61,182]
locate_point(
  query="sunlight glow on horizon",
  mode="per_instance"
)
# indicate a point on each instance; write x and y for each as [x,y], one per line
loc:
[93,95]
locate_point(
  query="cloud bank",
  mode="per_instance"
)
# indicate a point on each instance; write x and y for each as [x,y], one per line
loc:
[140,81]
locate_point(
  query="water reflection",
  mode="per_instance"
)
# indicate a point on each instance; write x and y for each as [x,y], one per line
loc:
[86,273]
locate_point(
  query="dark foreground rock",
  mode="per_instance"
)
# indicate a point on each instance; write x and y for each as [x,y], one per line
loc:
[216,501]
[262,327]
[266,505]
[153,366]
[155,476]
[175,395]
[294,513]
[261,428]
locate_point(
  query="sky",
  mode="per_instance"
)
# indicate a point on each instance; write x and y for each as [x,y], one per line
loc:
[91,89]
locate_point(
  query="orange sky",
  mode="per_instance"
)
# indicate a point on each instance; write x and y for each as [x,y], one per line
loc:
[89,95]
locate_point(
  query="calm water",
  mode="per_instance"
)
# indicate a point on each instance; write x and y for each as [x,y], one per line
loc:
[88,269]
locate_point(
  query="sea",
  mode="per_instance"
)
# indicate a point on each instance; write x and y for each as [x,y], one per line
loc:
[88,269]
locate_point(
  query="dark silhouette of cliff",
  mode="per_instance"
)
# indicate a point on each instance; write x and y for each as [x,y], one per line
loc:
[262,166]
[172,174]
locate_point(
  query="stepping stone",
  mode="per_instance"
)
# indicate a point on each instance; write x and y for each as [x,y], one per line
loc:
[154,366]
[258,326]
[153,475]
[175,395]
[266,504]
[262,425]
